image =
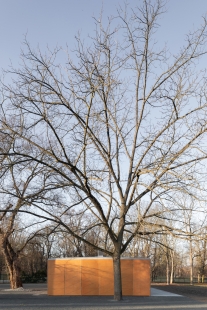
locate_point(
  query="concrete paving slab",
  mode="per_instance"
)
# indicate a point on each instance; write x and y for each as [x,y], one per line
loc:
[41,288]
[159,293]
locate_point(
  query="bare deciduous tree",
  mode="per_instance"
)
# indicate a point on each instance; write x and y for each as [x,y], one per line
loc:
[122,123]
[18,190]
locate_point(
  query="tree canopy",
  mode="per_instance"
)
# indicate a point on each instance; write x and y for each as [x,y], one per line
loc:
[118,130]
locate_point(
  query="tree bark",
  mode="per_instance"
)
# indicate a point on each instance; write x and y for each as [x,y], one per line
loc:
[117,277]
[172,268]
[12,262]
[15,275]
[167,271]
[191,263]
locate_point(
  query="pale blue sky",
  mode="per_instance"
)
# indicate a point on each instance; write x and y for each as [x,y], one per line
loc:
[55,22]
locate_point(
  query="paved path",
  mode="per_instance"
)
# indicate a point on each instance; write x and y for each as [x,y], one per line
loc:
[197,292]
[36,298]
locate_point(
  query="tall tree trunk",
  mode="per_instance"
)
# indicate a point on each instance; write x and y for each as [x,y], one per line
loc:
[117,277]
[191,263]
[117,256]
[12,262]
[167,270]
[15,274]
[172,268]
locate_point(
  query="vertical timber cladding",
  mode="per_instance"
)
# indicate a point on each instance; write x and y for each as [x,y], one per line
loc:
[94,276]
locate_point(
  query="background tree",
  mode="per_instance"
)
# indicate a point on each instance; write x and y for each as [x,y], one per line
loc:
[18,189]
[121,124]
[200,253]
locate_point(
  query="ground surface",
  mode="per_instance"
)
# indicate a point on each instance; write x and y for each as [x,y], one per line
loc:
[196,292]
[35,297]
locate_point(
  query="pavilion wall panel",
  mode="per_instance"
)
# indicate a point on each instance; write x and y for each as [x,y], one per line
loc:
[94,276]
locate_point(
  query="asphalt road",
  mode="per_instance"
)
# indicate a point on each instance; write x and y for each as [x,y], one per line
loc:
[35,297]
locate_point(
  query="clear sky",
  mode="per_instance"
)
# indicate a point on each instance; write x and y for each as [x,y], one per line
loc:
[55,22]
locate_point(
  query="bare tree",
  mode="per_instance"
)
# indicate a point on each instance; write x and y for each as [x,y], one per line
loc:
[121,124]
[193,219]
[18,190]
[198,247]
